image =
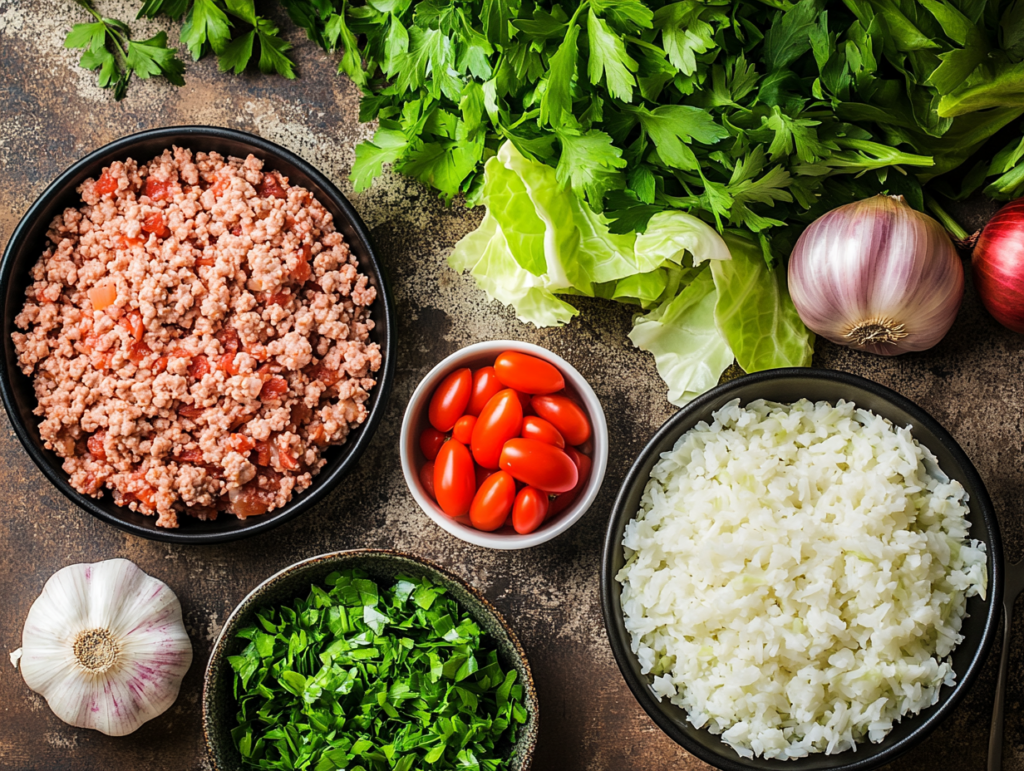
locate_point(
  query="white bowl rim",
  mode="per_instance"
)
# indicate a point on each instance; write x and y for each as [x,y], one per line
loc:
[408,444]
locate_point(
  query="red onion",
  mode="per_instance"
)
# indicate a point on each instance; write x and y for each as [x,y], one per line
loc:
[878,276]
[999,266]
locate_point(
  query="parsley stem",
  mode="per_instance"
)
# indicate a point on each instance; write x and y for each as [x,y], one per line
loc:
[642,43]
[579,10]
[945,218]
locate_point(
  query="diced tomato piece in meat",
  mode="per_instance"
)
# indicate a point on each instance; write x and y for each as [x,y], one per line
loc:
[160,365]
[147,495]
[220,185]
[288,461]
[190,411]
[226,364]
[106,184]
[200,366]
[241,443]
[137,351]
[95,444]
[281,298]
[303,271]
[207,261]
[270,187]
[274,388]
[190,456]
[155,224]
[158,190]
[132,321]
[123,242]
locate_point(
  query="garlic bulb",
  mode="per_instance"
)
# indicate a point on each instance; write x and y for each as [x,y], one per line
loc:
[878,276]
[105,645]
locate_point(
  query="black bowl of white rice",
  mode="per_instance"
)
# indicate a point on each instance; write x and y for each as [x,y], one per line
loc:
[802,570]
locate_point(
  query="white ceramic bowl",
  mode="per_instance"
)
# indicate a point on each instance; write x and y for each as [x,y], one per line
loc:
[483,355]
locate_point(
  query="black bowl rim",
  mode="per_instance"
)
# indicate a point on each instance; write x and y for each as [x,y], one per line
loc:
[935,714]
[321,485]
[219,645]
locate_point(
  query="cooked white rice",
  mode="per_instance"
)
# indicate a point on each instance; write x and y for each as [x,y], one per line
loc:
[797,576]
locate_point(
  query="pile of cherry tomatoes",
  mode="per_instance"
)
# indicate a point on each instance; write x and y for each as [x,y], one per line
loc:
[504,444]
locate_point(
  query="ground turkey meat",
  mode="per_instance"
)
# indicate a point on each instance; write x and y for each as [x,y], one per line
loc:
[197,333]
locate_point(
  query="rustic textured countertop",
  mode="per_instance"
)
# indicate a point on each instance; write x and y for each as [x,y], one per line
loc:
[973,383]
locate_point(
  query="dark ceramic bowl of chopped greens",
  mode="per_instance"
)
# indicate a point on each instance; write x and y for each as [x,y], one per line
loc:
[310,675]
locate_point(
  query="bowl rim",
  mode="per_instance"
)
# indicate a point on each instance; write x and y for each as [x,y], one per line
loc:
[610,597]
[322,484]
[504,541]
[220,644]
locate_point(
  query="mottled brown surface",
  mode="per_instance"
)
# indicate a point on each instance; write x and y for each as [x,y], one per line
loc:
[973,383]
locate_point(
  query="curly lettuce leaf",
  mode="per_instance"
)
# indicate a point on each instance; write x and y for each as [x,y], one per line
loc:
[536,217]
[690,352]
[755,312]
[485,253]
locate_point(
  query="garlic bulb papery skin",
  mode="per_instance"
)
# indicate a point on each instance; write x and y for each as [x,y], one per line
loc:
[105,645]
[878,276]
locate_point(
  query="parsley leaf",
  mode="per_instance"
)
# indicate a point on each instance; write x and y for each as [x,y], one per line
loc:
[557,99]
[153,57]
[590,162]
[205,24]
[273,49]
[111,49]
[672,127]
[608,59]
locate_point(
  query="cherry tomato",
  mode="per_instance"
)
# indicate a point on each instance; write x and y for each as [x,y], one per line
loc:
[542,431]
[427,478]
[565,415]
[529,510]
[565,500]
[500,421]
[454,479]
[450,400]
[430,442]
[493,501]
[463,431]
[539,465]
[528,373]
[485,385]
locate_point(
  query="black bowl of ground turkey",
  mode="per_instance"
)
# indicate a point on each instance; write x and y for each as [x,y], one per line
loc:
[30,240]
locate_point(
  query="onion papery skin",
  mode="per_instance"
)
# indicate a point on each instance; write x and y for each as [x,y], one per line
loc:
[998,264]
[877,263]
